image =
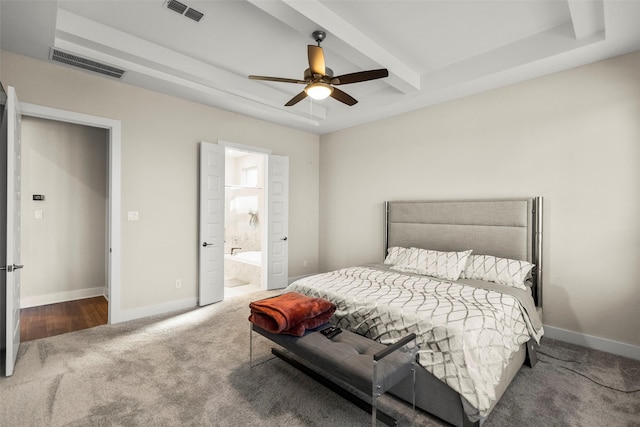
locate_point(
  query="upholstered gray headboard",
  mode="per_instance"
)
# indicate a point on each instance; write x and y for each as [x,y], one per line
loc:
[506,228]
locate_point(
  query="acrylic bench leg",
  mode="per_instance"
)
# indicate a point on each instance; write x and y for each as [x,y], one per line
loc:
[413,399]
[374,408]
[374,394]
[250,345]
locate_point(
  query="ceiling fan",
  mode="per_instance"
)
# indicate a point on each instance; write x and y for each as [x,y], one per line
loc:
[319,79]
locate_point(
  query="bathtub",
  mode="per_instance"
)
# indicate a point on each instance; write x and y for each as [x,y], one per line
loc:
[249,257]
[243,267]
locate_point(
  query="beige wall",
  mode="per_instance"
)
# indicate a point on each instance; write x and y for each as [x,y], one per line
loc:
[65,250]
[572,137]
[160,136]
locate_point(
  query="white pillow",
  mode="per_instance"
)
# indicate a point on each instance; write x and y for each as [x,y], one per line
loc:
[504,271]
[443,265]
[395,255]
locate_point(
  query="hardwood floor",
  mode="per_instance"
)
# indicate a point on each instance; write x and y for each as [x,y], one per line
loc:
[55,319]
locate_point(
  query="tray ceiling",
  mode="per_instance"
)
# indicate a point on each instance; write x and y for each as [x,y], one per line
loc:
[435,51]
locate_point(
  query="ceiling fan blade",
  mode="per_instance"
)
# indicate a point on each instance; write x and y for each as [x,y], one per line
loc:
[277,79]
[316,60]
[343,97]
[361,76]
[299,97]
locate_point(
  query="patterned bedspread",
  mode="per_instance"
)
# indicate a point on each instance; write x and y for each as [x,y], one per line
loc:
[466,334]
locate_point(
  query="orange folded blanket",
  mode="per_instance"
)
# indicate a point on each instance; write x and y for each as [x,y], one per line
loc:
[291,313]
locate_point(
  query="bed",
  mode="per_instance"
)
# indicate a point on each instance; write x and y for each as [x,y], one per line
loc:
[466,277]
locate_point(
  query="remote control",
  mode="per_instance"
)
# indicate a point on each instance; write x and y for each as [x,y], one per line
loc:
[330,332]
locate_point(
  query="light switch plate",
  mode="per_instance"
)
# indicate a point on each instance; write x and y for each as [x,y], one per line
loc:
[132,215]
[39,214]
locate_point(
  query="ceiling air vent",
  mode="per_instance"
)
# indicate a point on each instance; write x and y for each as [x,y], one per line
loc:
[184,10]
[86,64]
[194,14]
[176,6]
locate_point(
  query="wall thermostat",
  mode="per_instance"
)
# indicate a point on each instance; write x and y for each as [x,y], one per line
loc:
[38,197]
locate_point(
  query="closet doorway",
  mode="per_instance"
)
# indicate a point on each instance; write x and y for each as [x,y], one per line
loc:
[64,226]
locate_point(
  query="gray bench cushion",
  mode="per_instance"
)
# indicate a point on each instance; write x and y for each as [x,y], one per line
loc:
[347,356]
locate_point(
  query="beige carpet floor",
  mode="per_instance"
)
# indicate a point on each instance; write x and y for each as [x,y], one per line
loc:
[191,369]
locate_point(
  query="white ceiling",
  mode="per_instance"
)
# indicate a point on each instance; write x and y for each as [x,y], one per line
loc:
[435,51]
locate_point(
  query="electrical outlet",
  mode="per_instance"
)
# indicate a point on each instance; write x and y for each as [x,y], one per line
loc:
[304,263]
[178,283]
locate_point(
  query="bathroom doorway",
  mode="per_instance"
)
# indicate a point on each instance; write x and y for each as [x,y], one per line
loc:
[244,230]
[269,220]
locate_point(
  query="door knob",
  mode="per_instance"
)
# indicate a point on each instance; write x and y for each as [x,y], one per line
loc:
[10,268]
[284,238]
[205,244]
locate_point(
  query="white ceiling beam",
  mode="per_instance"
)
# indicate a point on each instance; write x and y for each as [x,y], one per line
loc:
[516,55]
[222,99]
[401,76]
[135,54]
[587,17]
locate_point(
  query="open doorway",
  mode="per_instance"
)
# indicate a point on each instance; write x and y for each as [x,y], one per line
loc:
[65,203]
[274,250]
[244,231]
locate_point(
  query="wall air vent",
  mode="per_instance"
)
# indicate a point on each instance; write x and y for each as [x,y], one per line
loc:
[184,10]
[85,64]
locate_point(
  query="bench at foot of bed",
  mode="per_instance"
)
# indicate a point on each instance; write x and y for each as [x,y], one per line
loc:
[364,364]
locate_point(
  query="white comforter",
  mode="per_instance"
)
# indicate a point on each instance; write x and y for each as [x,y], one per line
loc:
[466,334]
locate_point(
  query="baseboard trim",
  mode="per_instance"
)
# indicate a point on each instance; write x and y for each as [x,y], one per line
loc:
[152,310]
[39,300]
[595,343]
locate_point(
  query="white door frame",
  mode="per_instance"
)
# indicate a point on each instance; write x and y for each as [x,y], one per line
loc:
[114,128]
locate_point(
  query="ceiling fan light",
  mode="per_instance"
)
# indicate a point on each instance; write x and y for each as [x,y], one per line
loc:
[318,90]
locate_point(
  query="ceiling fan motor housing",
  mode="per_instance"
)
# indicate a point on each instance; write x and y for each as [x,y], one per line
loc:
[308,76]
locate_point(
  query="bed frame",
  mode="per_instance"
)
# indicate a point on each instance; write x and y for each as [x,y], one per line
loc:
[506,228]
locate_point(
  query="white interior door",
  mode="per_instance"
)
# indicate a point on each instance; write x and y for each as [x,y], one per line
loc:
[10,244]
[211,265]
[278,222]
